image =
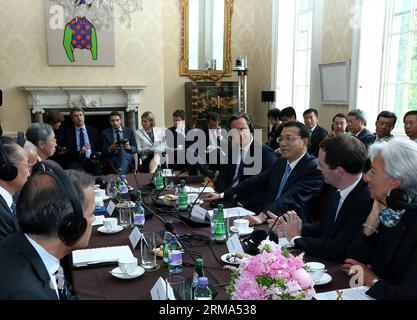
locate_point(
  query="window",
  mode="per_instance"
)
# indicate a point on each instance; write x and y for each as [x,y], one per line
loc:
[293,53]
[387,70]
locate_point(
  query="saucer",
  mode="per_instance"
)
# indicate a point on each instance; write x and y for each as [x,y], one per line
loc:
[242,232]
[116,272]
[230,258]
[115,230]
[325,279]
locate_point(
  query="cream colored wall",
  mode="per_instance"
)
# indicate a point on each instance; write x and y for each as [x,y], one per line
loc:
[23,59]
[337,45]
[251,36]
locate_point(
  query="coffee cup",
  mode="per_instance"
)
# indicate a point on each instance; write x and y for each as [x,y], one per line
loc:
[316,270]
[128,265]
[110,224]
[241,224]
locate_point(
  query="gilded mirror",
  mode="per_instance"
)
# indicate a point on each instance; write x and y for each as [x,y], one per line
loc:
[205,38]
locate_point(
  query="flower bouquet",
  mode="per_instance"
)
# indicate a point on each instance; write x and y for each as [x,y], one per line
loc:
[273,274]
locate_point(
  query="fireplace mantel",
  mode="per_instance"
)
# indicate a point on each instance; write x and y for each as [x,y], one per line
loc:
[90,98]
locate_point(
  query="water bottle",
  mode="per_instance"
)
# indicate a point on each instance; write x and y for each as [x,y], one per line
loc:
[159,179]
[182,197]
[139,216]
[167,240]
[174,256]
[202,291]
[198,273]
[122,189]
[220,227]
[213,223]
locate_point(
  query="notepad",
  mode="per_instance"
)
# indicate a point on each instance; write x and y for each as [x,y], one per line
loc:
[358,293]
[234,212]
[86,257]
[198,189]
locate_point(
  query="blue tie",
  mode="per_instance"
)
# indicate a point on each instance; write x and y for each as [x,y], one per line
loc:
[331,214]
[118,136]
[82,140]
[283,181]
[239,171]
[13,207]
[62,284]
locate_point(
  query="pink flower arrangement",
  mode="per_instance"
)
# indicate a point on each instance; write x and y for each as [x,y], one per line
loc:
[271,275]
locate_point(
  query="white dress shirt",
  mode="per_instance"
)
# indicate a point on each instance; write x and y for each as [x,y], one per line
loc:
[6,196]
[243,151]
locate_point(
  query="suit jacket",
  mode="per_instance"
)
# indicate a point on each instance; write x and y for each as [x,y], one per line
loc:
[145,143]
[392,253]
[273,136]
[317,136]
[366,137]
[70,141]
[177,141]
[8,224]
[107,139]
[350,218]
[304,183]
[23,275]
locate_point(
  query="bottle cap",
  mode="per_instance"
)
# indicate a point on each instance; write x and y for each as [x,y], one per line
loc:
[199,262]
[202,281]
[220,206]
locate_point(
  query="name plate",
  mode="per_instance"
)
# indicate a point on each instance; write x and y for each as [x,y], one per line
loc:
[199,213]
[110,208]
[135,237]
[234,245]
[159,291]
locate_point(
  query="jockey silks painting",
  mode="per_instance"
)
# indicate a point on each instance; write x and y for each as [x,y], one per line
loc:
[74,38]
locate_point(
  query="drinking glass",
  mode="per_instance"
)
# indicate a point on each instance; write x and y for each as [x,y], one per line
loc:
[175,288]
[147,252]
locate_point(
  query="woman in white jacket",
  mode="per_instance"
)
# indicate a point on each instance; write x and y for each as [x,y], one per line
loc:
[151,142]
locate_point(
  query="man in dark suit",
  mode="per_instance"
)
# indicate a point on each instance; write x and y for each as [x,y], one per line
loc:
[383,256]
[341,160]
[11,183]
[357,126]
[317,133]
[178,145]
[30,268]
[118,143]
[81,142]
[288,185]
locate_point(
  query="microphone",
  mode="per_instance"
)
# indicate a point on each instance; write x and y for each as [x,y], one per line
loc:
[189,220]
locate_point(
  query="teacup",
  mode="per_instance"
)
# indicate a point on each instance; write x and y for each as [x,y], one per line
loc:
[128,265]
[317,270]
[110,224]
[241,224]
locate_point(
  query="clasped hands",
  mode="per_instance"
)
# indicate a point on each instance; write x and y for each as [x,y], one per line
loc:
[116,146]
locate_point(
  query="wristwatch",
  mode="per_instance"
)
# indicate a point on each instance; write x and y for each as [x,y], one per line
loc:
[374,281]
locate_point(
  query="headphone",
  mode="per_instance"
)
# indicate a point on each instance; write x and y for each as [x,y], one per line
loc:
[73,225]
[8,172]
[398,201]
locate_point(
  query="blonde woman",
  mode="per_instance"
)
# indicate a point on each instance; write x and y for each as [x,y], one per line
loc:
[151,142]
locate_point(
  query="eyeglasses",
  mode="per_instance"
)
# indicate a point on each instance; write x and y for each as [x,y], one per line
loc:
[289,139]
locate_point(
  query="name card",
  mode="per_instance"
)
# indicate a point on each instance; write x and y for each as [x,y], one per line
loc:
[135,237]
[110,207]
[199,213]
[234,245]
[159,291]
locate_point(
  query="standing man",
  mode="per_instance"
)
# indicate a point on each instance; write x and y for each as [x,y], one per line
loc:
[14,172]
[317,133]
[341,160]
[410,125]
[81,142]
[385,123]
[357,126]
[56,212]
[119,144]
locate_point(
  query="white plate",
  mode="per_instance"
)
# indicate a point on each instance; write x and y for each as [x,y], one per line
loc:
[116,272]
[230,258]
[242,232]
[115,230]
[325,279]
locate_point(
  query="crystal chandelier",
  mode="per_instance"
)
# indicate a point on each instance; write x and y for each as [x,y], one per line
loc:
[102,12]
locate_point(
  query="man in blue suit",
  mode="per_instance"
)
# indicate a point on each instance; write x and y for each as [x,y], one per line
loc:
[119,144]
[246,158]
[289,184]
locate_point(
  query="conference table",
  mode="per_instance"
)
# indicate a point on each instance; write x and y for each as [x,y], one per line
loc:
[97,283]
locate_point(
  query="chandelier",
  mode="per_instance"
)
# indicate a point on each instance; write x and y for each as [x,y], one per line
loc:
[102,12]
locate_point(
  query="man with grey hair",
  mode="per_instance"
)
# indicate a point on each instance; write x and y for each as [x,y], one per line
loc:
[357,126]
[11,183]
[384,255]
[43,137]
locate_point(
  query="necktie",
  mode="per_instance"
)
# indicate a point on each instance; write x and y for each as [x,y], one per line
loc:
[118,136]
[236,179]
[331,213]
[82,140]
[62,284]
[13,207]
[283,181]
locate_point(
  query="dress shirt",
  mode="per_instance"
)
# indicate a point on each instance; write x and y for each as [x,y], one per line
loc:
[120,134]
[243,152]
[357,134]
[344,194]
[213,137]
[86,139]
[294,163]
[50,262]
[6,196]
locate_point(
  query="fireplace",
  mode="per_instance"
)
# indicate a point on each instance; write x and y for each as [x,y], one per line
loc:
[96,101]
